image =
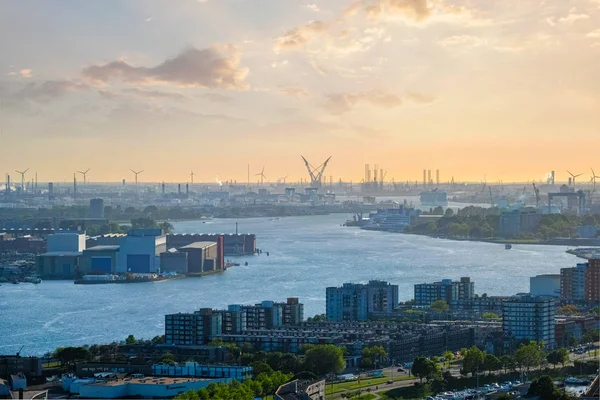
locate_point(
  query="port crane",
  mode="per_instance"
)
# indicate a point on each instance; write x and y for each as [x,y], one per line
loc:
[537,194]
[315,173]
[19,352]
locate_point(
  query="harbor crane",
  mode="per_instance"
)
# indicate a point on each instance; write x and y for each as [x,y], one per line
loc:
[537,195]
[19,352]
[315,173]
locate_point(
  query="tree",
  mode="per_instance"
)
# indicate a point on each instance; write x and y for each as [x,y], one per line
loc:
[439,306]
[69,355]
[473,360]
[260,367]
[529,356]
[424,368]
[508,363]
[559,356]
[317,318]
[160,339]
[593,335]
[568,309]
[543,387]
[448,356]
[491,363]
[490,315]
[371,356]
[449,213]
[324,359]
[167,358]
[130,340]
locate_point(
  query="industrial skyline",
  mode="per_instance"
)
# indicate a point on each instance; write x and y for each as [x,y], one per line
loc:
[458,86]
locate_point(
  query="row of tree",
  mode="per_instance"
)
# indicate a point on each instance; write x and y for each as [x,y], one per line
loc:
[261,385]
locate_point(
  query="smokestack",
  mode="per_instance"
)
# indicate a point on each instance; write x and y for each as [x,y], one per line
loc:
[367,173]
[179,189]
[50,191]
[424,177]
[437,176]
[187,190]
[163,188]
[74,186]
[123,182]
[429,181]
[7,184]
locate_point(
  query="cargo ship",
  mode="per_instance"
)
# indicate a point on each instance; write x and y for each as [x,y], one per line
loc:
[128,278]
[434,198]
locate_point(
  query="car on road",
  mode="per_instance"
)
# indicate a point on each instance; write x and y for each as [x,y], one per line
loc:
[401,370]
[390,382]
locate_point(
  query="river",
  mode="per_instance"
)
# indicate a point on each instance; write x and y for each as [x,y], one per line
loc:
[307,254]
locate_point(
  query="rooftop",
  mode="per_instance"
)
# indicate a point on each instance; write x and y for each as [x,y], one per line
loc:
[148,380]
[61,254]
[104,248]
[199,245]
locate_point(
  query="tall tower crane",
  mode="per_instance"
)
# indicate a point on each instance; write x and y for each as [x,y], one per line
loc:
[315,173]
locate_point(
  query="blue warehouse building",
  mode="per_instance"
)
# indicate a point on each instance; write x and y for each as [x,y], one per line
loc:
[140,250]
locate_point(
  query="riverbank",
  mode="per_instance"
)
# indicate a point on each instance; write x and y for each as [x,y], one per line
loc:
[578,242]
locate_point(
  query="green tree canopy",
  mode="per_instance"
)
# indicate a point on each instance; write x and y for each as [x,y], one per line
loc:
[324,359]
[559,356]
[473,360]
[529,356]
[491,363]
[373,356]
[440,306]
[490,315]
[130,340]
[424,368]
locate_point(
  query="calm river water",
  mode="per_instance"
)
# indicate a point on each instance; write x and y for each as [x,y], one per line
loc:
[307,254]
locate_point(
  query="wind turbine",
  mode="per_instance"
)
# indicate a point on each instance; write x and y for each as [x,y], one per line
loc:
[574,176]
[84,173]
[136,176]
[283,178]
[593,180]
[22,179]
[262,175]
[192,174]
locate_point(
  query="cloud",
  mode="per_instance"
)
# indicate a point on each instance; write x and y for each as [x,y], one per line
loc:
[414,10]
[215,67]
[571,18]
[148,19]
[300,36]
[49,90]
[343,102]
[294,91]
[509,49]
[594,34]
[276,64]
[25,73]
[154,94]
[460,41]
[312,7]
[216,97]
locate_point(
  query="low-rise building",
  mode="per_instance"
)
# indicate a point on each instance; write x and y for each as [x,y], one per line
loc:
[193,369]
[301,390]
[99,260]
[545,285]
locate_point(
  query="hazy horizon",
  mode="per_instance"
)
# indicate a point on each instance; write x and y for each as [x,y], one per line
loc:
[498,90]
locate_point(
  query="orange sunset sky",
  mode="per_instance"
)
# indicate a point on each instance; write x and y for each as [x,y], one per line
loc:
[502,89]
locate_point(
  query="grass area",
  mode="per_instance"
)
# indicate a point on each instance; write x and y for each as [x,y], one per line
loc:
[410,392]
[354,385]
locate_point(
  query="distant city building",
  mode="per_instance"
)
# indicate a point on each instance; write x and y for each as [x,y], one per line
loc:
[545,285]
[61,260]
[354,302]
[530,318]
[97,208]
[200,327]
[447,290]
[515,222]
[140,250]
[572,283]
[592,281]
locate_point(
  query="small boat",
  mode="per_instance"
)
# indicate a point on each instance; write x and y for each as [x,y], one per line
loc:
[246,263]
[508,246]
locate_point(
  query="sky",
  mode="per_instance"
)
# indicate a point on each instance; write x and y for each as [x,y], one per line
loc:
[496,89]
